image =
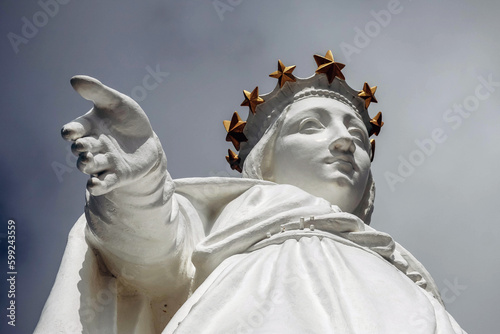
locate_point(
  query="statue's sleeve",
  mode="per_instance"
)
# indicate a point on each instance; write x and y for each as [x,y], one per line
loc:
[144,233]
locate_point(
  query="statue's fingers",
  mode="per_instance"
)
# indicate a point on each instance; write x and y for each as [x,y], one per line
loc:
[78,128]
[89,164]
[86,144]
[85,158]
[93,90]
[102,184]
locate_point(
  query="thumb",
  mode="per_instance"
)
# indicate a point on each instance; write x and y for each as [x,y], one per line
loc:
[93,90]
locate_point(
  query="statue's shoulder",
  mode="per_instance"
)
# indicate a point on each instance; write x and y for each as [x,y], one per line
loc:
[213,193]
[215,186]
[224,189]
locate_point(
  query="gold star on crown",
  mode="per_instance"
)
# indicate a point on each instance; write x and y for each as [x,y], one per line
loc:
[368,94]
[234,130]
[329,67]
[252,99]
[323,84]
[234,160]
[283,74]
[376,123]
[372,144]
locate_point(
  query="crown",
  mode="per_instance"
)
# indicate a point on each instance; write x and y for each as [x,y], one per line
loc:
[328,81]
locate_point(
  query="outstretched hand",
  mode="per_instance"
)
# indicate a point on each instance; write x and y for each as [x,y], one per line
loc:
[114,141]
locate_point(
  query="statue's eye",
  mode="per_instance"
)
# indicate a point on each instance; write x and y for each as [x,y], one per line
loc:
[310,125]
[357,133]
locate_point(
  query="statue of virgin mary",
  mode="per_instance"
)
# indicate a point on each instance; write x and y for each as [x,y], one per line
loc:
[287,248]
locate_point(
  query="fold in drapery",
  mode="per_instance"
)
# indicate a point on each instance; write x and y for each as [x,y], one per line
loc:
[249,282]
[261,271]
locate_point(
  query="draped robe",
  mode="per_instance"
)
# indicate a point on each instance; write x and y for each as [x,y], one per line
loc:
[259,268]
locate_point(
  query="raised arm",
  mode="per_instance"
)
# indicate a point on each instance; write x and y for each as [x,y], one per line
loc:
[132,216]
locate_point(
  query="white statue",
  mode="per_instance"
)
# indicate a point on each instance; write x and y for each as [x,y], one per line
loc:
[285,249]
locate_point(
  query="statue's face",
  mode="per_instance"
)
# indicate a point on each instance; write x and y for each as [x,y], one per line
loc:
[323,148]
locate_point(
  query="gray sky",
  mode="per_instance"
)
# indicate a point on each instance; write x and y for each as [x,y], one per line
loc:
[425,58]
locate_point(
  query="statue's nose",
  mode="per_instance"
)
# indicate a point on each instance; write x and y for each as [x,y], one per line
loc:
[343,143]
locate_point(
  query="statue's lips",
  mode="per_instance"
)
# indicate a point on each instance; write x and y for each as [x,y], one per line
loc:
[342,160]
